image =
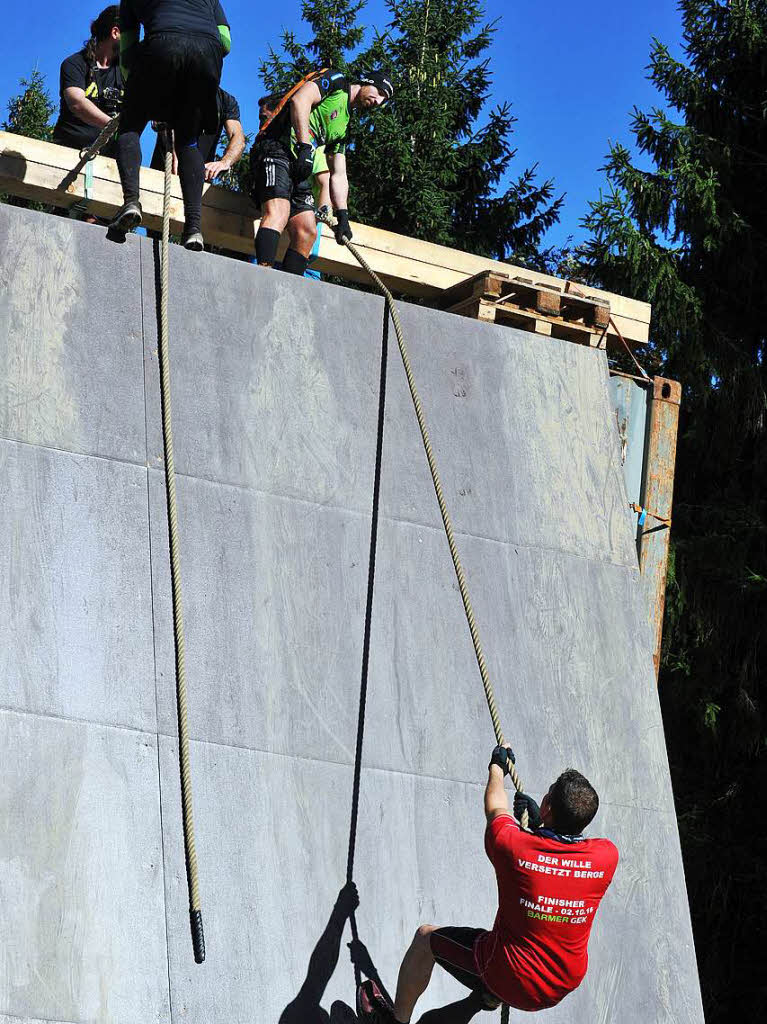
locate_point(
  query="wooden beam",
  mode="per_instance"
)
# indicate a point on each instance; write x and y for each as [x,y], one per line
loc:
[657,497]
[36,170]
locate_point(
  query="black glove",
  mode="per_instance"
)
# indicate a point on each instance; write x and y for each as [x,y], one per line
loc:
[503,757]
[342,229]
[304,162]
[523,802]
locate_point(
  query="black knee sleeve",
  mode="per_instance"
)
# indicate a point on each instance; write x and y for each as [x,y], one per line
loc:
[295,263]
[128,153]
[267,240]
[191,171]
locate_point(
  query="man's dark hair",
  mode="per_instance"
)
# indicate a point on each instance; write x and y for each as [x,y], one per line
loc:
[573,801]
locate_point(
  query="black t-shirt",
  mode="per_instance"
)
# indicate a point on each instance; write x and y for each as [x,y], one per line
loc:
[190,17]
[102,86]
[228,110]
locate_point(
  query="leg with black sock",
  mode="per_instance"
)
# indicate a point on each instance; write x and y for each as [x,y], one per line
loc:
[267,240]
[129,163]
[128,154]
[191,171]
[295,263]
[456,1013]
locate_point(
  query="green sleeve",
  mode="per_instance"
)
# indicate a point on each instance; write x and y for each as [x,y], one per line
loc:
[226,38]
[128,43]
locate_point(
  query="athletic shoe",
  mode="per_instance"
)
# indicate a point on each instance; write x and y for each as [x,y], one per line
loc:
[194,241]
[373,1006]
[127,217]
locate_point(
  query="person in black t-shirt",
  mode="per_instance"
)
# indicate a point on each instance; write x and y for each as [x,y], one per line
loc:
[228,121]
[91,86]
[172,76]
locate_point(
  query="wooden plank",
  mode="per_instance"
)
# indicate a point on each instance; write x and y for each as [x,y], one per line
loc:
[413,267]
[530,320]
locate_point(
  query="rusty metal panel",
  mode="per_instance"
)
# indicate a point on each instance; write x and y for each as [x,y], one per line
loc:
[630,401]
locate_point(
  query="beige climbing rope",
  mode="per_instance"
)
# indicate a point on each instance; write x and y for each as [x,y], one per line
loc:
[98,143]
[444,512]
[190,853]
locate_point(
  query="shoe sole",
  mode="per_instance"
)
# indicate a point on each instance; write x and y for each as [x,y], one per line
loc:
[127,222]
[194,246]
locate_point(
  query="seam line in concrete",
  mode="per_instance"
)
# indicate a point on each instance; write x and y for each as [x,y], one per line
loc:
[403,520]
[73,720]
[292,757]
[37,1020]
[75,455]
[320,504]
[474,784]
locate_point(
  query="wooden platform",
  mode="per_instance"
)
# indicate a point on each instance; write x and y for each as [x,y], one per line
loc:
[521,302]
[43,171]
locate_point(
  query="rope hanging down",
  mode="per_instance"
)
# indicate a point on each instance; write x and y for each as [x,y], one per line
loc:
[190,853]
[446,520]
[375,506]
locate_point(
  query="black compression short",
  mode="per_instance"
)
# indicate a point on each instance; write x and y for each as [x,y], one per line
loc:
[272,165]
[453,949]
[174,79]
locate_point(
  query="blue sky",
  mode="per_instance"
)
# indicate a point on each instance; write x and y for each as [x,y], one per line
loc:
[572,72]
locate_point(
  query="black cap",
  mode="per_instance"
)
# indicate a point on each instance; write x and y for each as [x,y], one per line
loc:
[381,80]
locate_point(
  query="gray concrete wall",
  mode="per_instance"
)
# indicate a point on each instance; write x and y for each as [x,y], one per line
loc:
[274,388]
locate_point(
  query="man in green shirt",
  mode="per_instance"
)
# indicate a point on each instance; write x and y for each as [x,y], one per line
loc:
[318,114]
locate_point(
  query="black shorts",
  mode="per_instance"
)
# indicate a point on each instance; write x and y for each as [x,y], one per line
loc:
[453,949]
[271,177]
[174,79]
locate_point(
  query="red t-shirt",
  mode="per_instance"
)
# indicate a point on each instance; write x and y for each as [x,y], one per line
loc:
[548,894]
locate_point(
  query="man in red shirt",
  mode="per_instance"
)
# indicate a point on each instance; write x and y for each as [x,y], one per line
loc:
[550,882]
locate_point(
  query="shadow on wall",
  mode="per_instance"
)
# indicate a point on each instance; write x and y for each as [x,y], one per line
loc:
[306,1008]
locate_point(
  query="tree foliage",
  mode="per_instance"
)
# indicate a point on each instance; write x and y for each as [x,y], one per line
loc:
[687,231]
[335,35]
[434,163]
[30,112]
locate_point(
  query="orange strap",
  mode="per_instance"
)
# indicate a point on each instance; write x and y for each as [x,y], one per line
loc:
[287,97]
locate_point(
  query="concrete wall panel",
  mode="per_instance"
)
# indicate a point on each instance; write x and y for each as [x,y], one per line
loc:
[274,594]
[70,340]
[283,399]
[274,379]
[81,880]
[76,627]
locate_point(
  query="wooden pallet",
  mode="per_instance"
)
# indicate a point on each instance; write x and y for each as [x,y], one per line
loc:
[530,306]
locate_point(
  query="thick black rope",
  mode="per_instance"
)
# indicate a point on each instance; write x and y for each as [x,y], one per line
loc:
[368,624]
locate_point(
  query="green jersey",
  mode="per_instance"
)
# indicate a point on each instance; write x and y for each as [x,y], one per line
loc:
[328,121]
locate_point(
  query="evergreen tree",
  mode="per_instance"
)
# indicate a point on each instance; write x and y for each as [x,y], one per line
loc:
[335,34]
[30,112]
[690,236]
[429,165]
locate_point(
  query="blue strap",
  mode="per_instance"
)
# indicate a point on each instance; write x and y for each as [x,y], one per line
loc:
[642,517]
[88,190]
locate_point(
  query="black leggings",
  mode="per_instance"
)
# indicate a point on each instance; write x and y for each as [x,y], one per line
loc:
[174,80]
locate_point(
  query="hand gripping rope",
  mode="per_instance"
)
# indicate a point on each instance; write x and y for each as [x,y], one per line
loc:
[190,853]
[323,217]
